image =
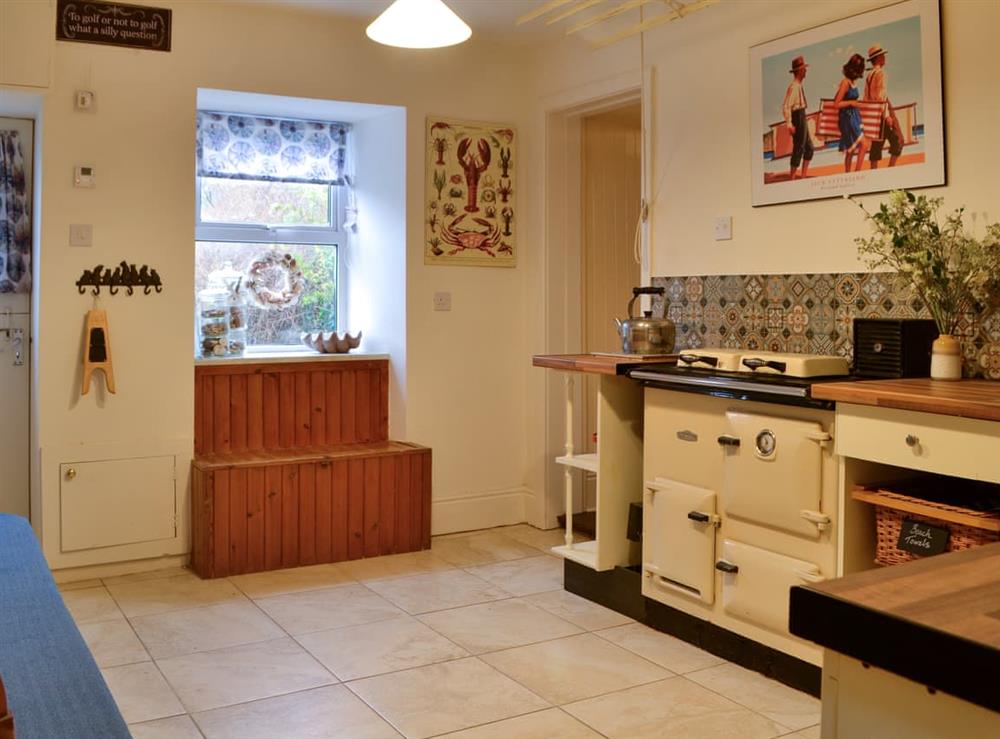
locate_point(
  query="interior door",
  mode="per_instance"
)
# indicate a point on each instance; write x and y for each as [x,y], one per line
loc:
[16,159]
[611,191]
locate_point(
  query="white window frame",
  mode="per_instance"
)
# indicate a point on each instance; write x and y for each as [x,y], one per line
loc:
[262,233]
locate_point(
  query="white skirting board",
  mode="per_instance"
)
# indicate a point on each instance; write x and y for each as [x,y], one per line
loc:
[479,511]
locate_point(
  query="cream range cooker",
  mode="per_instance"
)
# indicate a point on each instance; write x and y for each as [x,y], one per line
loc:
[741,488]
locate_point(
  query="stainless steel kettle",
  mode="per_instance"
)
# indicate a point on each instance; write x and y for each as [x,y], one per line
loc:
[646,335]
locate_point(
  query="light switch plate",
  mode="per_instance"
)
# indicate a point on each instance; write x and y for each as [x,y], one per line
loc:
[83,100]
[81,234]
[442,301]
[723,226]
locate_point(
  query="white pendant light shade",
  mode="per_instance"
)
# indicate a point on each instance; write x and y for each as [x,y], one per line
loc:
[418,24]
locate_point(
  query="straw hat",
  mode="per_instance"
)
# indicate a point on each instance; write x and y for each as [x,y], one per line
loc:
[875,51]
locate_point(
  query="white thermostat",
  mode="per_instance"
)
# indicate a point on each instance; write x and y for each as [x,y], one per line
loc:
[83,176]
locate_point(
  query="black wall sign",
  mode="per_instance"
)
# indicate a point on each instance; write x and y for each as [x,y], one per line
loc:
[115,24]
[922,539]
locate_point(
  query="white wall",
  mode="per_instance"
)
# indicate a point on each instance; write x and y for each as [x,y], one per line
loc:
[701,147]
[465,369]
[373,266]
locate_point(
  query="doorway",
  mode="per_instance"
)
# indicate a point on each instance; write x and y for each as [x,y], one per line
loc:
[610,261]
[16,178]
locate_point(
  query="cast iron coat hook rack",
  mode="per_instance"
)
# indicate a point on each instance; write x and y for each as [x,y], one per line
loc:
[124,275]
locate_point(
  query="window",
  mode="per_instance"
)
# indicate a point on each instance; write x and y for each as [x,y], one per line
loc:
[272,185]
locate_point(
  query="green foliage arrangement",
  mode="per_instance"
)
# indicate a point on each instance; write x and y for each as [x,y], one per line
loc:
[952,271]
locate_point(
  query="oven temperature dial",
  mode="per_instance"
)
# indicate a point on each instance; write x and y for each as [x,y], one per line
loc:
[765,443]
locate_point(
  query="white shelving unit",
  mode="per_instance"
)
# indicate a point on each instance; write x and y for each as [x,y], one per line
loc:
[618,467]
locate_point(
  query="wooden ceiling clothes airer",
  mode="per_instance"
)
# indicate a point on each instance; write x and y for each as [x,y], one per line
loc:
[560,10]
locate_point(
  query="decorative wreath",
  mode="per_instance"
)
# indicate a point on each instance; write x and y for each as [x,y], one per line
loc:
[275,281]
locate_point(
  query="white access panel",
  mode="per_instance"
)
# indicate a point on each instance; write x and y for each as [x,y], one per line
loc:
[118,501]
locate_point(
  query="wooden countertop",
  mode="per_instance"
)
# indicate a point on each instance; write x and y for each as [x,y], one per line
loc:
[935,621]
[967,398]
[602,364]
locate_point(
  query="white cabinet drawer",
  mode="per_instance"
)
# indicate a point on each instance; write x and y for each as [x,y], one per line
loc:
[932,442]
[115,502]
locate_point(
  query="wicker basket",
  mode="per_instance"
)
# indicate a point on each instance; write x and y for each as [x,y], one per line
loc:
[892,508]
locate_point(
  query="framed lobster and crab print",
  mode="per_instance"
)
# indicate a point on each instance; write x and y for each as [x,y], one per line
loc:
[470,214]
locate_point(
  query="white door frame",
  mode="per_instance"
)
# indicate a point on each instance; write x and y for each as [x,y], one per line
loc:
[29,105]
[559,331]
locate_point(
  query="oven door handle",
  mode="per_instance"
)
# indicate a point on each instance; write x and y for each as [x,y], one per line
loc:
[728,567]
[702,517]
[729,440]
[755,363]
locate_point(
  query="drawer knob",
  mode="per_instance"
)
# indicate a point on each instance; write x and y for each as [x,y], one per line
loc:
[71,473]
[912,440]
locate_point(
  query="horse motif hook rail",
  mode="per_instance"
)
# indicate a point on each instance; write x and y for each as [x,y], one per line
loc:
[124,275]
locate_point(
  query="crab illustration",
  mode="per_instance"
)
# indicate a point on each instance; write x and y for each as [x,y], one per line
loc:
[463,239]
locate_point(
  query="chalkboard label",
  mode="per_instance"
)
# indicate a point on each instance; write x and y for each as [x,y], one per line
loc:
[113,24]
[922,539]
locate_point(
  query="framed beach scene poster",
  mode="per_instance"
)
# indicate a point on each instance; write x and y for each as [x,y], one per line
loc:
[849,107]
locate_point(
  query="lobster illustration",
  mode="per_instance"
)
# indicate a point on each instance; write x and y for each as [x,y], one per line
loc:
[505,190]
[507,214]
[473,166]
[463,239]
[439,181]
[505,162]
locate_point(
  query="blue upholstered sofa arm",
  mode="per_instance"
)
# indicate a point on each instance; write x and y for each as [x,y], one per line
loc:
[54,688]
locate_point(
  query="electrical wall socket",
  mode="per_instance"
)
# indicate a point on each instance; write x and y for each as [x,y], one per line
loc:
[81,234]
[723,226]
[442,301]
[83,100]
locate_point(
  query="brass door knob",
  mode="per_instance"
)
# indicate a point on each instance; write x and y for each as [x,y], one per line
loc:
[71,473]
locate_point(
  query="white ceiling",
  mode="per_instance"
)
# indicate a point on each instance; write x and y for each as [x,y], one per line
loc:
[494,19]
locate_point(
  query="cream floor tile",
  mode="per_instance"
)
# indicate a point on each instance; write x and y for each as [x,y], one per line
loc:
[778,702]
[543,539]
[673,708]
[324,713]
[584,613]
[546,724]
[176,727]
[65,587]
[524,576]
[393,565]
[487,627]
[576,667]
[141,692]
[665,650]
[297,580]
[91,604]
[445,697]
[113,643]
[384,646]
[148,575]
[330,608]
[434,591]
[480,548]
[175,633]
[222,677]
[175,593]
[811,733]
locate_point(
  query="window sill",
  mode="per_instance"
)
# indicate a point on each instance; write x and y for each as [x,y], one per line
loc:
[272,357]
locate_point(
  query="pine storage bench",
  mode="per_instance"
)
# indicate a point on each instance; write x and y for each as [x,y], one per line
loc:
[293,466]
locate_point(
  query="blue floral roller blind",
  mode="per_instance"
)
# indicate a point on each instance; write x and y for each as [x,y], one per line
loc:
[256,148]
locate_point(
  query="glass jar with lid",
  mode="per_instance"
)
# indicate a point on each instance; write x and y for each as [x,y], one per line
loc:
[236,307]
[213,321]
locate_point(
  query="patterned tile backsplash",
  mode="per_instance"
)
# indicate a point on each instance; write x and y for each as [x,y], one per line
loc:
[806,313]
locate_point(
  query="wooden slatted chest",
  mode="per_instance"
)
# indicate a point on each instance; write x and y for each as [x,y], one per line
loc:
[294,467]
